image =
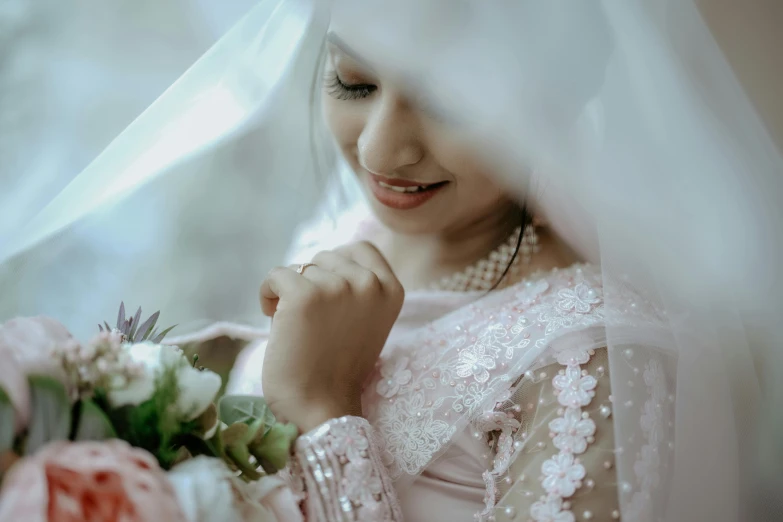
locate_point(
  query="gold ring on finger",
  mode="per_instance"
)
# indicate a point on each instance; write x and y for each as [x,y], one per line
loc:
[301,268]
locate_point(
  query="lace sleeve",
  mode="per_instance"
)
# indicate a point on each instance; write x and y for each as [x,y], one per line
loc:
[555,456]
[344,477]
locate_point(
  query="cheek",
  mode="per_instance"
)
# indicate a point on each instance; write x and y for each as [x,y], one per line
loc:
[476,187]
[478,191]
[344,122]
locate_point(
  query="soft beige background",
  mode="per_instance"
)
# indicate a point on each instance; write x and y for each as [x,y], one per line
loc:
[750,32]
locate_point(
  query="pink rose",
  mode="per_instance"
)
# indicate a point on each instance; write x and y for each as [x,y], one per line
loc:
[96,481]
[26,346]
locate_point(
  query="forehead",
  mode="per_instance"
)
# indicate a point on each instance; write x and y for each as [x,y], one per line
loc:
[400,35]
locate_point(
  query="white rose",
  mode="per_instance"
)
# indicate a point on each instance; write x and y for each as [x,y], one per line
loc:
[197,388]
[207,491]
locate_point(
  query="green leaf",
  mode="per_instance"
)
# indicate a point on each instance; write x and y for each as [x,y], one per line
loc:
[274,449]
[7,421]
[240,456]
[245,409]
[235,439]
[196,445]
[217,446]
[93,423]
[50,417]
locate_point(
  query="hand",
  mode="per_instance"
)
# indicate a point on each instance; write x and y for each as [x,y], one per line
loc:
[329,325]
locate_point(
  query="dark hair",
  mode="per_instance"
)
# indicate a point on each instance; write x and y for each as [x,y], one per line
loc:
[525,220]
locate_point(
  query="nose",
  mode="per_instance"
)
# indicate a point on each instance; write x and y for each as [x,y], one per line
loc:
[390,139]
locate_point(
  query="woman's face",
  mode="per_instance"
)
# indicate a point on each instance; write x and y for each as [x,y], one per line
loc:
[416,169]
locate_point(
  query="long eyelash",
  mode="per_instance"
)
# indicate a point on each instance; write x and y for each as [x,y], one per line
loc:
[336,88]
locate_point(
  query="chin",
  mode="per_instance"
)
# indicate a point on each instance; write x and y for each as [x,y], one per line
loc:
[421,221]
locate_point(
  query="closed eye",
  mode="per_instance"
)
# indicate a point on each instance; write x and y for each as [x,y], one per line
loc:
[342,91]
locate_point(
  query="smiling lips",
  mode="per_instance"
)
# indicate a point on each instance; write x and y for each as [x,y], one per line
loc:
[402,194]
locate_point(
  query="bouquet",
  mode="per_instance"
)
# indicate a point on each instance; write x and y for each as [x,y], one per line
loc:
[127,428]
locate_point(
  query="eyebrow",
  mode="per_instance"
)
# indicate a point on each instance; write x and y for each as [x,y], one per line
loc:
[345,49]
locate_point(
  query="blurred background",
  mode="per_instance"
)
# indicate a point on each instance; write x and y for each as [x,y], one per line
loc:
[73,75]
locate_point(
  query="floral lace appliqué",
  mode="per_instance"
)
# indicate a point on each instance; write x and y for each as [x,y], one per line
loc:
[361,482]
[579,300]
[464,360]
[646,467]
[550,510]
[571,431]
[575,387]
[476,362]
[344,475]
[412,432]
[563,474]
[394,377]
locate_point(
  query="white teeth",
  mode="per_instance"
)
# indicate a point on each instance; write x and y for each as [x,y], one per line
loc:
[400,189]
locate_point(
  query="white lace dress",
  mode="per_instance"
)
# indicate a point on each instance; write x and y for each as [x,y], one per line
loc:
[497,407]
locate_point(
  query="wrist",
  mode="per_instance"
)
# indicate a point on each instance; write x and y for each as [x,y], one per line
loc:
[308,414]
[313,415]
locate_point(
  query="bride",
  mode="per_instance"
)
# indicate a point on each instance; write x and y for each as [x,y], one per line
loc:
[458,358]
[494,348]
[540,308]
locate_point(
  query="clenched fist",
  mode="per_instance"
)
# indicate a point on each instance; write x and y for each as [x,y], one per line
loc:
[329,324]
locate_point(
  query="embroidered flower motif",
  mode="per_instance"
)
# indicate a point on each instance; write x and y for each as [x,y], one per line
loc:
[655,379]
[472,396]
[651,422]
[374,511]
[550,510]
[638,508]
[562,475]
[392,377]
[571,431]
[575,389]
[360,483]
[411,434]
[646,468]
[476,362]
[349,440]
[572,356]
[579,300]
[459,364]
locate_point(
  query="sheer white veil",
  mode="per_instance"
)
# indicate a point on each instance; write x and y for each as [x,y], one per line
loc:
[620,121]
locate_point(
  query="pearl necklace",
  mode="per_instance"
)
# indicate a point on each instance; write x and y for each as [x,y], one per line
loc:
[485,273]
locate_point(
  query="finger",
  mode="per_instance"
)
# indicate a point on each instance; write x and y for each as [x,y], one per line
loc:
[360,278]
[337,263]
[365,254]
[280,284]
[325,278]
